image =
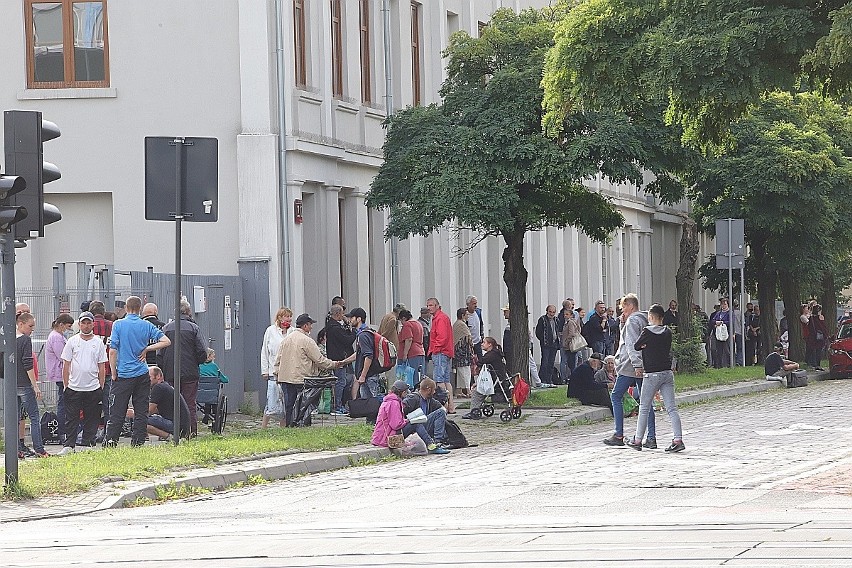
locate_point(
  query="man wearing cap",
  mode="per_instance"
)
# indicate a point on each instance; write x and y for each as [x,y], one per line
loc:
[441,347]
[193,352]
[583,386]
[299,357]
[84,361]
[776,367]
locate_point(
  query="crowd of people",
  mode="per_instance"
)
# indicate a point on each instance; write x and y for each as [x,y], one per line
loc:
[114,375]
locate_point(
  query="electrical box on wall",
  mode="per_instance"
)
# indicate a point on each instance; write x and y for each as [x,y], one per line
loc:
[199,300]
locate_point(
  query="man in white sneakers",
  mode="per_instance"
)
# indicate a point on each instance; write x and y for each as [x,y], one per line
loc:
[84,361]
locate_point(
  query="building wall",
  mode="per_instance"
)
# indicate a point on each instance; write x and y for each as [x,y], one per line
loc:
[208,68]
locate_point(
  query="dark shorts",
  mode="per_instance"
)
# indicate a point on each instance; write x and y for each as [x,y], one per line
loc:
[161,423]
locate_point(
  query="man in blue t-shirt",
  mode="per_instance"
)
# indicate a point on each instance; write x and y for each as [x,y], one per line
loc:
[131,340]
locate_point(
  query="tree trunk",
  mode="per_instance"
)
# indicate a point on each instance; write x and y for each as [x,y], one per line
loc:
[767,291]
[792,296]
[685,279]
[515,277]
[828,299]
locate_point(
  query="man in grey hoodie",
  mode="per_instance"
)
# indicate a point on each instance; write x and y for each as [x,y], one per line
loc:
[628,366]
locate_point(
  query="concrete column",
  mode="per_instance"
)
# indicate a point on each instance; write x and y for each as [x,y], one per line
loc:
[297,249]
[356,259]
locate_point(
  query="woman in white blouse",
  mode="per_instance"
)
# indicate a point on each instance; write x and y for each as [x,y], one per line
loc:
[271,342]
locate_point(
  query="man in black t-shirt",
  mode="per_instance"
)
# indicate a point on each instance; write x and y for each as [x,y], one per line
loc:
[161,408]
[776,366]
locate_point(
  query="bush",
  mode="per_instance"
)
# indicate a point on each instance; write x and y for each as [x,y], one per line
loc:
[690,356]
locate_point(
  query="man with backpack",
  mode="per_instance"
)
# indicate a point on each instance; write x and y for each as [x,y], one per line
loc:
[366,383]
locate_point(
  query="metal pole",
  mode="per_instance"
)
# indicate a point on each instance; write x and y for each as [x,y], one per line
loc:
[731,290]
[283,199]
[10,390]
[176,338]
[742,308]
[394,242]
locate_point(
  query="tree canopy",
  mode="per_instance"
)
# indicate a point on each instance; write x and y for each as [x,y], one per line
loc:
[708,59]
[482,160]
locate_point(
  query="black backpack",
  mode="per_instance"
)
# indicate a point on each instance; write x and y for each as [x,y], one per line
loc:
[455,438]
[50,428]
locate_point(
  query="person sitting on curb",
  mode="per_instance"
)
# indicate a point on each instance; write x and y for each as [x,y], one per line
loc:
[436,415]
[585,388]
[492,356]
[776,367]
[391,420]
[161,408]
[606,374]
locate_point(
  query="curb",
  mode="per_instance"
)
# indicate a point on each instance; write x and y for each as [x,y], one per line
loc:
[270,469]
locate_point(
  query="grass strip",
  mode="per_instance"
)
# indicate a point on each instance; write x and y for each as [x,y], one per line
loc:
[85,470]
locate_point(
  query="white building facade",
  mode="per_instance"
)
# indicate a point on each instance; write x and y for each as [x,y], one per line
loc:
[112,72]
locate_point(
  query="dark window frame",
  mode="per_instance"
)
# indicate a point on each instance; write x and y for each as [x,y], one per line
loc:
[337,48]
[300,44]
[366,63]
[416,39]
[68,53]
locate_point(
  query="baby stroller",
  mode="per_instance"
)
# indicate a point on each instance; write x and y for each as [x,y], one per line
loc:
[212,402]
[513,391]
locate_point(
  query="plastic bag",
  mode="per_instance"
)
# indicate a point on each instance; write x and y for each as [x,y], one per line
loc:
[484,382]
[630,404]
[413,446]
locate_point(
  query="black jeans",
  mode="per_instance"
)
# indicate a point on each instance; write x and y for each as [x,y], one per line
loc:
[291,391]
[123,390]
[89,402]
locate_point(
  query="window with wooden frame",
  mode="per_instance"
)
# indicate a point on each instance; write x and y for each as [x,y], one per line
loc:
[300,43]
[336,48]
[415,53]
[366,69]
[67,45]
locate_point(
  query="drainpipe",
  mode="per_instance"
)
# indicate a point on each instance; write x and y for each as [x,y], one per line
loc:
[283,210]
[394,242]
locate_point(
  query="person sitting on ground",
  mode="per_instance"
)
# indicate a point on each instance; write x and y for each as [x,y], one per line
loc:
[585,388]
[606,374]
[391,420]
[161,408]
[492,355]
[776,367]
[423,398]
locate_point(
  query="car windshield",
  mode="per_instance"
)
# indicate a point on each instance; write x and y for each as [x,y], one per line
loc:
[845,330]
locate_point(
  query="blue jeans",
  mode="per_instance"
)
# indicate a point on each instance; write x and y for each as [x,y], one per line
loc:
[622,383]
[369,388]
[653,382]
[443,364]
[432,430]
[27,401]
[548,359]
[344,377]
[567,364]
[599,347]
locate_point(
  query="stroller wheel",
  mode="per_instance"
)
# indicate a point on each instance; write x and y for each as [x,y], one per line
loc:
[476,413]
[506,416]
[516,412]
[488,409]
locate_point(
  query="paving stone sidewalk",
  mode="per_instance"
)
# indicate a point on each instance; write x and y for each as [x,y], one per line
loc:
[117,494]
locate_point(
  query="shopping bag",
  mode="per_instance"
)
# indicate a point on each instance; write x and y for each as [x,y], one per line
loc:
[324,406]
[629,403]
[484,382]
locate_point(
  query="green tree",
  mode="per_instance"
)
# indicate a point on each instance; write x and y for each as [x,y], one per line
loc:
[710,60]
[788,176]
[481,159]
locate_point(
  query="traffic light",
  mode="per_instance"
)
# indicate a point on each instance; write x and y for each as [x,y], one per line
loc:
[24,134]
[11,214]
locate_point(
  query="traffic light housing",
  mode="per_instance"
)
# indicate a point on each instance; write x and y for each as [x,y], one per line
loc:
[11,214]
[25,133]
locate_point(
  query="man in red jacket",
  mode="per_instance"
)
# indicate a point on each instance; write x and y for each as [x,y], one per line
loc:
[441,349]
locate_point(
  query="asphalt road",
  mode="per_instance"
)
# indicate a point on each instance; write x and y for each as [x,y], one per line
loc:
[765,481]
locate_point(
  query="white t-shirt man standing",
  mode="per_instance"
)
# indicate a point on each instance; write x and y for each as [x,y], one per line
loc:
[83,370]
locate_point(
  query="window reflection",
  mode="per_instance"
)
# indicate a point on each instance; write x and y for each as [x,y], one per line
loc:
[88,41]
[47,42]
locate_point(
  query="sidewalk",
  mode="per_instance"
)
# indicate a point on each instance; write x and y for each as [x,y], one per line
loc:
[114,495]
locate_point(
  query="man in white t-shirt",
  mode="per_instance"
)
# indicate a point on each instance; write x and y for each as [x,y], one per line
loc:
[83,370]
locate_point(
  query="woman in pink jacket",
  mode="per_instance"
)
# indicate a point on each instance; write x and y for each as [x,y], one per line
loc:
[390,419]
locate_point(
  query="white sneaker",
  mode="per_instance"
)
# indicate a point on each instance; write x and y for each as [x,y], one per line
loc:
[65,451]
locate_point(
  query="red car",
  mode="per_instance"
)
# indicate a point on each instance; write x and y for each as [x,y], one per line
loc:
[840,351]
